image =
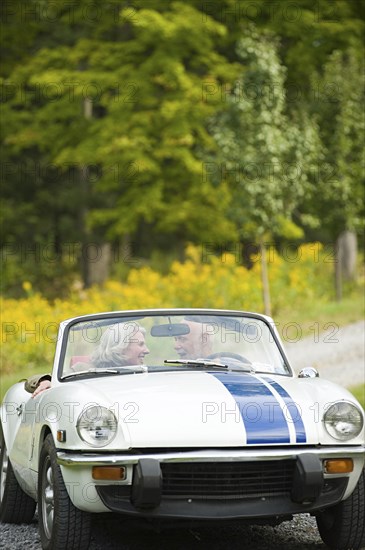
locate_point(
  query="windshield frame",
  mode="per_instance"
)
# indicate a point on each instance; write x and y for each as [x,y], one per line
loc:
[110,318]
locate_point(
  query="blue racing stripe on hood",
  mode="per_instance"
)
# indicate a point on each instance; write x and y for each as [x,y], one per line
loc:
[261,413]
[301,436]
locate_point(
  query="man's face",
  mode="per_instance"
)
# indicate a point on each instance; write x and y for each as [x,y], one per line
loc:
[136,350]
[189,346]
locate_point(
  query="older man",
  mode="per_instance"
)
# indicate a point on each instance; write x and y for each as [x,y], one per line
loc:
[196,344]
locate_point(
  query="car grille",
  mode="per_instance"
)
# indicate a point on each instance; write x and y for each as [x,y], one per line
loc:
[227,480]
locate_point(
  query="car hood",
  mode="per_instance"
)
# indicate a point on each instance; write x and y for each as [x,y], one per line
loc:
[219,409]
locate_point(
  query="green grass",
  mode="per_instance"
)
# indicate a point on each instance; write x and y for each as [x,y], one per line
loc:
[7,380]
[314,317]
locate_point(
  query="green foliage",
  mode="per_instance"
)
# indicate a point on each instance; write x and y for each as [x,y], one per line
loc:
[269,157]
[107,132]
[338,200]
[148,87]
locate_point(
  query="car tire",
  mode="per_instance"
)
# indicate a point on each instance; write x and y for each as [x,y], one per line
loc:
[62,526]
[15,505]
[343,526]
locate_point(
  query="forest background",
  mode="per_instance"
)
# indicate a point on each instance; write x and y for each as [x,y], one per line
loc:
[187,154]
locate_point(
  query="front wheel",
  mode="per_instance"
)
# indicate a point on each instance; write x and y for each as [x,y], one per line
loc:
[62,526]
[15,505]
[343,526]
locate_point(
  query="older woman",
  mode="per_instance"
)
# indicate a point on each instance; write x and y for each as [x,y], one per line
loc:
[121,344]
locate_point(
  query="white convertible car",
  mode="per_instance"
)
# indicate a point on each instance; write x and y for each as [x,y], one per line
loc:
[180,414]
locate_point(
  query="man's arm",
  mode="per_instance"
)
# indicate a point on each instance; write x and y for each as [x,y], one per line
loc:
[33,382]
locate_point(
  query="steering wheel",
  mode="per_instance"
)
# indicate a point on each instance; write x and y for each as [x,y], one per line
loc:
[230,355]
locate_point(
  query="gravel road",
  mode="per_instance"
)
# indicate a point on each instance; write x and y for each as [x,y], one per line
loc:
[112,533]
[338,355]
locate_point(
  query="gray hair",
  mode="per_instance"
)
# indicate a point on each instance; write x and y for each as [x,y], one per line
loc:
[113,344]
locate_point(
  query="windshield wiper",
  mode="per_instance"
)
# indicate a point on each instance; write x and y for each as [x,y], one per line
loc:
[130,369]
[197,363]
[208,364]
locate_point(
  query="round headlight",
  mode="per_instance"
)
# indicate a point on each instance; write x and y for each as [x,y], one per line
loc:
[97,426]
[343,420]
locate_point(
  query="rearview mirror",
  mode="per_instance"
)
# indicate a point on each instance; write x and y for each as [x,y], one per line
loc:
[172,329]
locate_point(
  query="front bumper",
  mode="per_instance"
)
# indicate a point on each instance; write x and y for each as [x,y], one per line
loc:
[211,455]
[225,484]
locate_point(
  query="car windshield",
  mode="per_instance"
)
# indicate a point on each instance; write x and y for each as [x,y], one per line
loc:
[158,342]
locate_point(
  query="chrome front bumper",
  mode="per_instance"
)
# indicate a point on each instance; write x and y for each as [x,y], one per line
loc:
[211,455]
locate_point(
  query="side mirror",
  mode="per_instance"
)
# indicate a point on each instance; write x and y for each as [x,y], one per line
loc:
[308,372]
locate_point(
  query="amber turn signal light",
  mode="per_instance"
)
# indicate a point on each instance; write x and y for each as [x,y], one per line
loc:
[338,465]
[61,436]
[109,472]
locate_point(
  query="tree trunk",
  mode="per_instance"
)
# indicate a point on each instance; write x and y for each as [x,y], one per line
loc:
[99,263]
[87,108]
[345,260]
[84,232]
[348,246]
[338,271]
[265,279]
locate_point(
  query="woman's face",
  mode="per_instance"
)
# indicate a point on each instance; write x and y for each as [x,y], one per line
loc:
[136,350]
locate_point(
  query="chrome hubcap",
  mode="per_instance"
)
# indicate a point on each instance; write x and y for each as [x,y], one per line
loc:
[48,499]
